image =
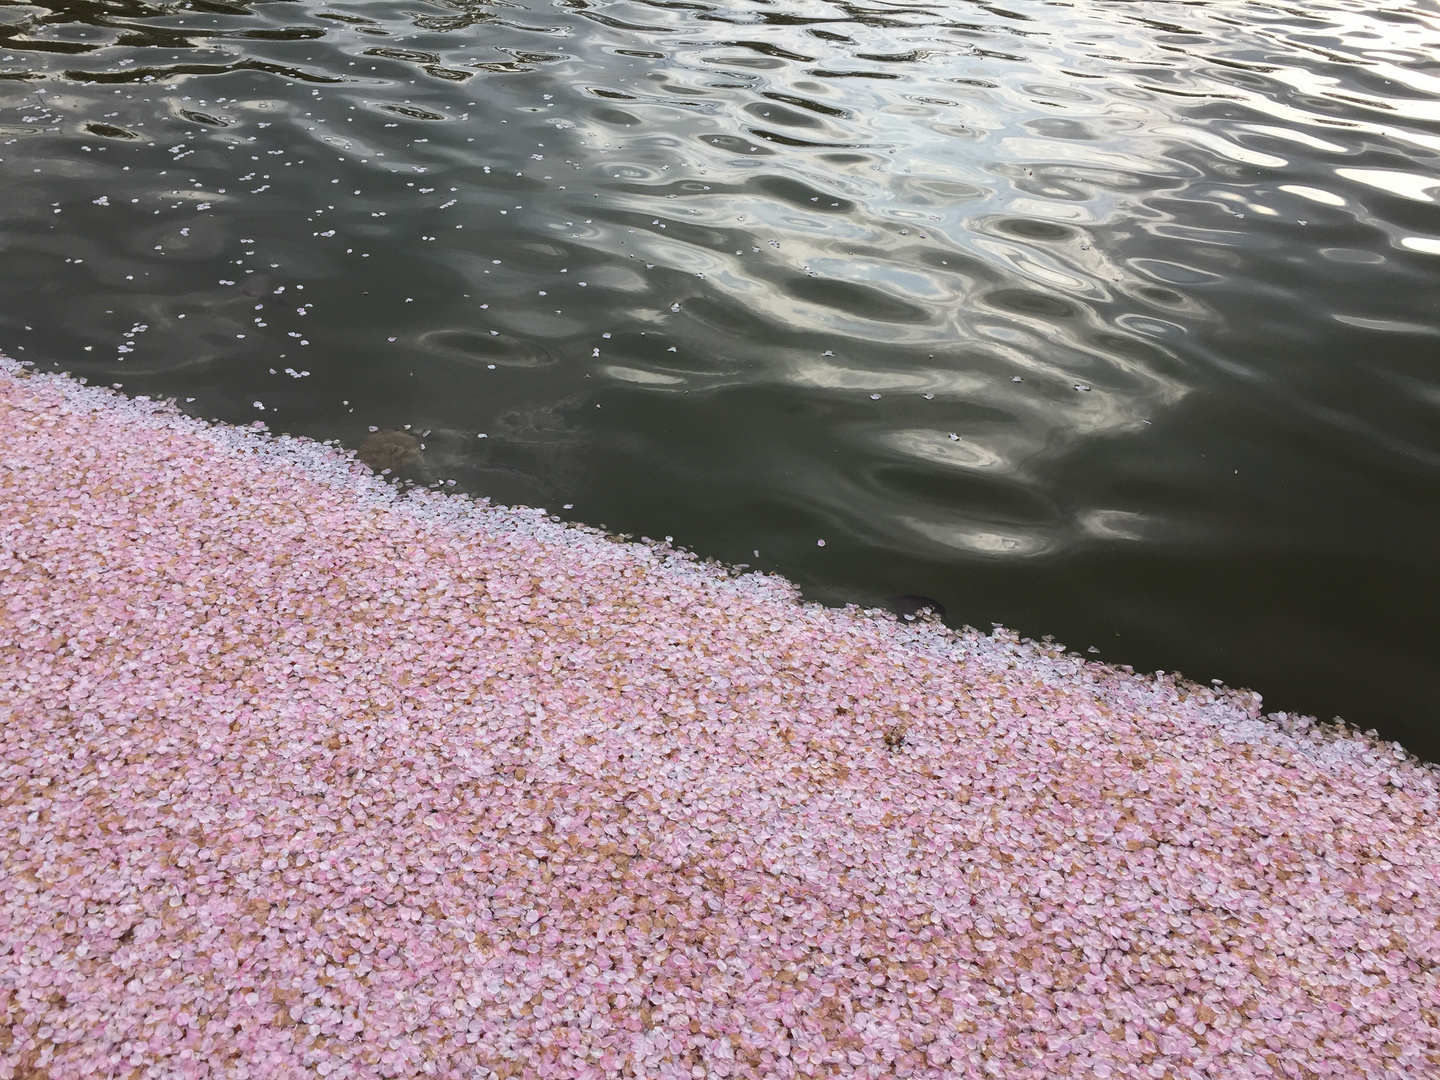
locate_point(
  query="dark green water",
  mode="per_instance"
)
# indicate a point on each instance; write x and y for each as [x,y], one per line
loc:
[1113,321]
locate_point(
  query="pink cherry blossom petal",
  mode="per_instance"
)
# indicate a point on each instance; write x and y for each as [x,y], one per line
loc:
[303,776]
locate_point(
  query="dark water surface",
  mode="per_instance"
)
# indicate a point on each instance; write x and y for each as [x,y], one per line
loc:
[1114,321]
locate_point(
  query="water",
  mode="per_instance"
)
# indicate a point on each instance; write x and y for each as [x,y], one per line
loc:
[1114,321]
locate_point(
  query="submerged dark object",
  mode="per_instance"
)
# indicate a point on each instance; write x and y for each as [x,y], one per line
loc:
[912,606]
[389,449]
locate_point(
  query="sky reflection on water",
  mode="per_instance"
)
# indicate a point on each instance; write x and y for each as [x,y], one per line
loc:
[1113,321]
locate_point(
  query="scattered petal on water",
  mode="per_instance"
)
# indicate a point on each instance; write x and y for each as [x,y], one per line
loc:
[913,605]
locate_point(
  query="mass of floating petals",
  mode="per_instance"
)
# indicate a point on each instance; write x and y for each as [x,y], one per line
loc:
[303,776]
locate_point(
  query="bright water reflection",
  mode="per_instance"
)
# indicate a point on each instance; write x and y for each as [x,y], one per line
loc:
[1114,320]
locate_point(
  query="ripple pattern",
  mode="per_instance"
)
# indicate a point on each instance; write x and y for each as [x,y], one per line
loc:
[1111,319]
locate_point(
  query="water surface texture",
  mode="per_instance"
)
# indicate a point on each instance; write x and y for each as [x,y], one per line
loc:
[1115,321]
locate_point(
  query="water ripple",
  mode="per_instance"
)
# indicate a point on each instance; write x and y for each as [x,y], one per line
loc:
[958,287]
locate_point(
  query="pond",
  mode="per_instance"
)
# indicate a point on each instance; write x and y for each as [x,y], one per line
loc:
[1118,322]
